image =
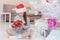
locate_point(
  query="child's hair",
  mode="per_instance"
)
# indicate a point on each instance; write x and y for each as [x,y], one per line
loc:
[25,18]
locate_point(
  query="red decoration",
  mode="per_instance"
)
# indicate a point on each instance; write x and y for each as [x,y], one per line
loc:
[17,23]
[20,6]
[47,1]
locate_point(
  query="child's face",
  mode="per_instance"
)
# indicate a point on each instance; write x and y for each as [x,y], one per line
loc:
[20,14]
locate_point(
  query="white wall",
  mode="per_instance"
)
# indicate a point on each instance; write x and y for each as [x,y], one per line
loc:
[14,2]
[0,5]
[11,2]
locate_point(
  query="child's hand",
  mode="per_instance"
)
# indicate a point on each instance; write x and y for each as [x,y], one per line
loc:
[12,24]
[58,25]
[22,26]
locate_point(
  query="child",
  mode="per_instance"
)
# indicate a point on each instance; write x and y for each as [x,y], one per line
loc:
[22,31]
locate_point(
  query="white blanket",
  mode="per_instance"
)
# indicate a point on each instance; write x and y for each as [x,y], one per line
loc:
[54,35]
[17,38]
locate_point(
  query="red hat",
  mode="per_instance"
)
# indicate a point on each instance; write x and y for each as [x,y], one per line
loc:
[49,2]
[17,23]
[20,8]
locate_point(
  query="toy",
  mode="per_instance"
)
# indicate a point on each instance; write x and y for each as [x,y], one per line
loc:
[51,22]
[17,23]
[39,29]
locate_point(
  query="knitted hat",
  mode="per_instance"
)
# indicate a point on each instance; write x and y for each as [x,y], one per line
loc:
[20,8]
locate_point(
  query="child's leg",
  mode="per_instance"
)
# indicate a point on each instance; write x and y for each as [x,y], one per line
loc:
[10,32]
[26,34]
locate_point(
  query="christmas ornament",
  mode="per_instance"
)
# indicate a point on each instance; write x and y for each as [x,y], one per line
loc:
[51,22]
